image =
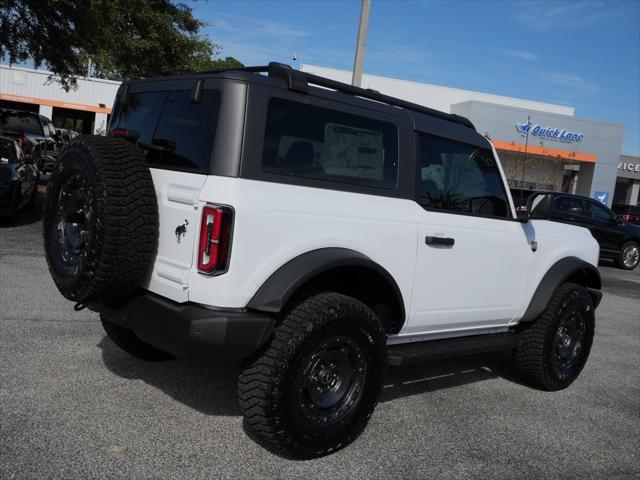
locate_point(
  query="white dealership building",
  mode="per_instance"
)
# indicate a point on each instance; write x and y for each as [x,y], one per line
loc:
[564,152]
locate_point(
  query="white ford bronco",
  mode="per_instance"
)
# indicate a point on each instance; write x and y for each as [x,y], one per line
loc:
[315,232]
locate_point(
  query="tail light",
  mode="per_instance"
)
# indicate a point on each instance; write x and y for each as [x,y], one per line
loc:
[215,239]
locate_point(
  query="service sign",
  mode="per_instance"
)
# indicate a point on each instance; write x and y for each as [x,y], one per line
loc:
[548,133]
[629,167]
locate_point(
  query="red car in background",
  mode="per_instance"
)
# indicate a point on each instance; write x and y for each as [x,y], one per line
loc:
[629,213]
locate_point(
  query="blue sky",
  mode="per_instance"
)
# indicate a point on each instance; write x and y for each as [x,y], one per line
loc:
[580,53]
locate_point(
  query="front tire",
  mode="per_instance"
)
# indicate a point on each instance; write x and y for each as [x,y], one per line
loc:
[629,256]
[553,350]
[128,341]
[315,387]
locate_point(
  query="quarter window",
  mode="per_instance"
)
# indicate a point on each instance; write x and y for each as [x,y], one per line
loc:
[462,178]
[320,143]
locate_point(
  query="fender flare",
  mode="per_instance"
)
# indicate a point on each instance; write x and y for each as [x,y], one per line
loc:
[274,293]
[559,273]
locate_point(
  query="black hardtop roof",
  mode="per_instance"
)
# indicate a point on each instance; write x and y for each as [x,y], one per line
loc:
[303,82]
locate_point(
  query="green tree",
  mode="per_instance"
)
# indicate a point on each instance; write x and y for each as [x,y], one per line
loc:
[123,38]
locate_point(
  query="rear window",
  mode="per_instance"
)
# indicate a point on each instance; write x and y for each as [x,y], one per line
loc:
[20,122]
[174,132]
[319,143]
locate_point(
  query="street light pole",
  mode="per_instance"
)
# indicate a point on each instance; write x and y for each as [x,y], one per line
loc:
[524,163]
[358,62]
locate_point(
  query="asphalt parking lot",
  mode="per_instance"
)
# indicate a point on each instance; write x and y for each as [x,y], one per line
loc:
[72,405]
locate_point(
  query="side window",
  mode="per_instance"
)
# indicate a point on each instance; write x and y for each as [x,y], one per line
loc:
[600,213]
[314,142]
[462,178]
[186,131]
[571,205]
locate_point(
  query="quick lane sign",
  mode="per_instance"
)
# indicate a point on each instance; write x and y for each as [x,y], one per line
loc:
[548,133]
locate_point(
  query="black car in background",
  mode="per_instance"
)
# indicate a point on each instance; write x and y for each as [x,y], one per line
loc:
[18,178]
[619,240]
[34,132]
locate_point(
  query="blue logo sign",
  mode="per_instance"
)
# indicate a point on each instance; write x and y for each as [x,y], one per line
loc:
[548,133]
[602,197]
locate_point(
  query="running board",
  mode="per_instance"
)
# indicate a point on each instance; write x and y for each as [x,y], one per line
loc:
[410,353]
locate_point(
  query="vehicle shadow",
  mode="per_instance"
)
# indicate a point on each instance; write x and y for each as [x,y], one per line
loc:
[211,389]
[447,373]
[27,216]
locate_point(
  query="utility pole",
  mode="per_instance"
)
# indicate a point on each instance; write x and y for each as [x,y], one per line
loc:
[356,80]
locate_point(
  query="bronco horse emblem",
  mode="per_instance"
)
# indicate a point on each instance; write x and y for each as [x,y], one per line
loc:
[181,230]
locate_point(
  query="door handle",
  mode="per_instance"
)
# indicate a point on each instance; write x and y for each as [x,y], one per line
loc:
[446,241]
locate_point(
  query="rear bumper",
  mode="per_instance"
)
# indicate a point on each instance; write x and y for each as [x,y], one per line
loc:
[191,331]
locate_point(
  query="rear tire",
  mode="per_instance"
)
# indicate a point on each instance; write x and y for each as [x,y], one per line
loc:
[315,387]
[629,256]
[553,350]
[128,341]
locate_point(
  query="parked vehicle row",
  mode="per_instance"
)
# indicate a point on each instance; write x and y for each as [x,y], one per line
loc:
[29,145]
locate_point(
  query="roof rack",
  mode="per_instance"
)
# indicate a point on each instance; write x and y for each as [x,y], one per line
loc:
[299,81]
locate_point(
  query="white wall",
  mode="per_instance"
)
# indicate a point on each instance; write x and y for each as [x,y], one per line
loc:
[434,96]
[35,84]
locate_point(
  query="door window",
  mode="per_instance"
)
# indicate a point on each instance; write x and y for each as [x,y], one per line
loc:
[460,178]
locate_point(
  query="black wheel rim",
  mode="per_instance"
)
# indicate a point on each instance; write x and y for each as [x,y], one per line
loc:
[73,220]
[569,343]
[331,379]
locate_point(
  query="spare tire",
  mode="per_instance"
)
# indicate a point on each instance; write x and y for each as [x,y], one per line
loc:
[100,221]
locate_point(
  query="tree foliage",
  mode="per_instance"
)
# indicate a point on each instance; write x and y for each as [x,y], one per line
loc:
[123,38]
